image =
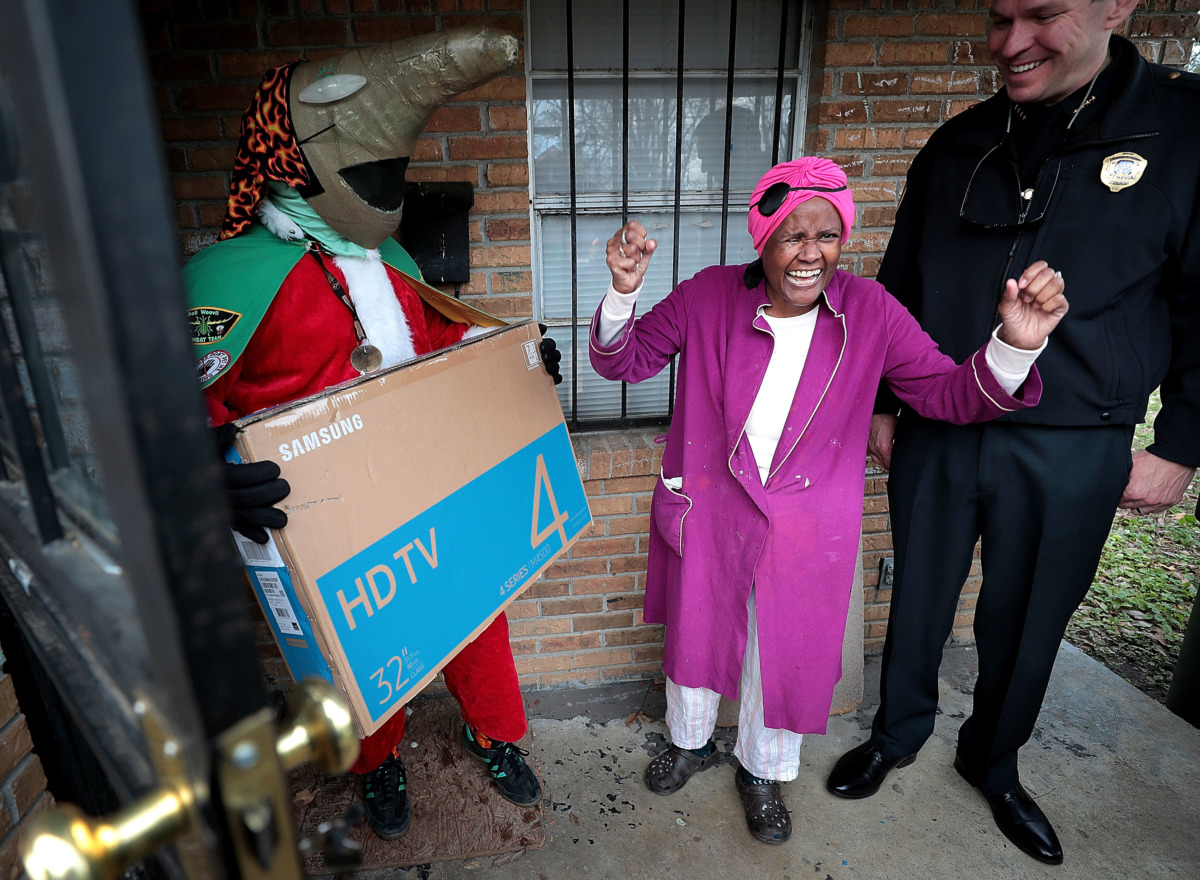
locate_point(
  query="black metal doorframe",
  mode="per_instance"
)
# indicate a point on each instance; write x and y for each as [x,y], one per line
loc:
[75,81]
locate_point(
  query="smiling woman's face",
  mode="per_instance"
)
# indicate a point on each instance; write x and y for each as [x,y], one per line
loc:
[801,256]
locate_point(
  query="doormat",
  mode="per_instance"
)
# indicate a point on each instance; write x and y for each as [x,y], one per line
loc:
[457,813]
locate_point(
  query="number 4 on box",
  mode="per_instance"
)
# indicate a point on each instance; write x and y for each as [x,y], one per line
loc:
[556,525]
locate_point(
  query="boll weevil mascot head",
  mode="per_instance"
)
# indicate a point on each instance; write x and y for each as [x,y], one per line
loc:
[341,131]
[306,287]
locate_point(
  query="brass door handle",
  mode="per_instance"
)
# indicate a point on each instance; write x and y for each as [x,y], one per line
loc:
[318,729]
[63,844]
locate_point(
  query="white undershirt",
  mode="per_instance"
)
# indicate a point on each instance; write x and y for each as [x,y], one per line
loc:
[793,336]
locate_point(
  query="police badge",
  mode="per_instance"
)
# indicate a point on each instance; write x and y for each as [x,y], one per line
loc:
[1121,170]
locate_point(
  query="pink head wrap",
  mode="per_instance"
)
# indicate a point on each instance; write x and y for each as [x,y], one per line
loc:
[807,172]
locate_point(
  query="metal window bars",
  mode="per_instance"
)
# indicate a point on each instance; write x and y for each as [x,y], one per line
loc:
[731,71]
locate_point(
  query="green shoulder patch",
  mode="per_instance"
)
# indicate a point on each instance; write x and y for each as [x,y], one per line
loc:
[211,324]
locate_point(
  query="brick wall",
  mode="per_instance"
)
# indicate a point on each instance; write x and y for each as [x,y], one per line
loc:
[886,73]
[22,783]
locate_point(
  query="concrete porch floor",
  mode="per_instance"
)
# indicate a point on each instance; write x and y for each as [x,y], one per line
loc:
[1116,772]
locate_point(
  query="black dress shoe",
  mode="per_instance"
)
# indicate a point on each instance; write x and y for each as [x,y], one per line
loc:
[1024,823]
[860,772]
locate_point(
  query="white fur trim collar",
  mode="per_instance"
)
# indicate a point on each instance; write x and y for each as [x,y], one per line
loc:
[278,222]
[382,318]
[370,289]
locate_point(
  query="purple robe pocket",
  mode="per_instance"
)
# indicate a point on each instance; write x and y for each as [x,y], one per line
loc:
[668,508]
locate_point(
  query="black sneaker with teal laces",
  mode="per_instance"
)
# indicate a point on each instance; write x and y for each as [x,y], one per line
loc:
[388,810]
[513,777]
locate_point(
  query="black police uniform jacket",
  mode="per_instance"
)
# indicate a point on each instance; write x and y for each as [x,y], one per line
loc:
[1130,258]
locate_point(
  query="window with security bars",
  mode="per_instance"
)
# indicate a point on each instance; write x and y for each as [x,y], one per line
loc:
[668,116]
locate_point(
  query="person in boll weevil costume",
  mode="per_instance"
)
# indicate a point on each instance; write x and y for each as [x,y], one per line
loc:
[306,289]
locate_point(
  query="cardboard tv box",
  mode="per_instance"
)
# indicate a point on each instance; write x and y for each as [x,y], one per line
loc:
[424,499]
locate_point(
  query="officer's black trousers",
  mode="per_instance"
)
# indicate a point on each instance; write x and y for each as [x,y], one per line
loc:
[1042,500]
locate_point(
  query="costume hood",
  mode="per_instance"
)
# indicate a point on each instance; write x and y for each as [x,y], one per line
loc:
[341,130]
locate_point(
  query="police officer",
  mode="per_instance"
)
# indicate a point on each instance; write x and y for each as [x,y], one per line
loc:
[1085,159]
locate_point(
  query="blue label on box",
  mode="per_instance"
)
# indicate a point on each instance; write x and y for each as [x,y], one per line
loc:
[404,603]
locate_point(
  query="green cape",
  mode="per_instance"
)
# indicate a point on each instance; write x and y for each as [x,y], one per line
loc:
[231,284]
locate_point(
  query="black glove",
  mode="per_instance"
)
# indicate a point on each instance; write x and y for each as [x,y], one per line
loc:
[251,489]
[550,355]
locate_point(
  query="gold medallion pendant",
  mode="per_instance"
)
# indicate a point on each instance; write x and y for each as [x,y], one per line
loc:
[1121,170]
[366,358]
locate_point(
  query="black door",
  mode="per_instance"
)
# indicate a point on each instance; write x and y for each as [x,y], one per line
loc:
[121,600]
